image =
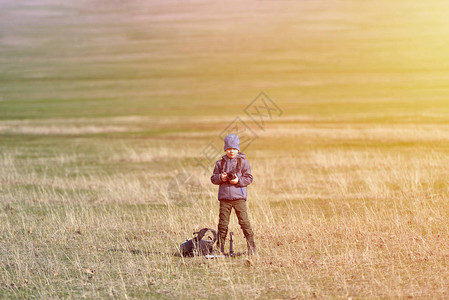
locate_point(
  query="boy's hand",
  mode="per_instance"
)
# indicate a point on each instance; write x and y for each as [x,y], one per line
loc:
[235,180]
[224,177]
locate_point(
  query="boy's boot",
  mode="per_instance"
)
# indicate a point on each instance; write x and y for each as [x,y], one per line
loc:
[251,246]
[221,243]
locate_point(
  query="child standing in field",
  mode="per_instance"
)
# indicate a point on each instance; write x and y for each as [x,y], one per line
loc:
[232,191]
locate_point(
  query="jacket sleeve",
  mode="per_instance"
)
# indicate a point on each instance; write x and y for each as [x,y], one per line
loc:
[216,177]
[246,177]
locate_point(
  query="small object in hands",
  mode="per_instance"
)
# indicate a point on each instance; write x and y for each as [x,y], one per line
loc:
[231,176]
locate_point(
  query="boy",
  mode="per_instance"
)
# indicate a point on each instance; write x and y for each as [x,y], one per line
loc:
[233,174]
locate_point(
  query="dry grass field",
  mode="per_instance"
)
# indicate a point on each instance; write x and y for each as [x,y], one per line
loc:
[107,109]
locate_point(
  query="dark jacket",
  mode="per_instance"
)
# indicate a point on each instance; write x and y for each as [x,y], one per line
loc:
[228,191]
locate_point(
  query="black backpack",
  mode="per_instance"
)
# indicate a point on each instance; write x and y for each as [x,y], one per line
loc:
[197,246]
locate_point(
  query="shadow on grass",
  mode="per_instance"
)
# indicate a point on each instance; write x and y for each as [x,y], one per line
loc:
[145,252]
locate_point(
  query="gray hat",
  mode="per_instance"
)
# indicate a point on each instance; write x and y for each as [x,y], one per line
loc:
[231,141]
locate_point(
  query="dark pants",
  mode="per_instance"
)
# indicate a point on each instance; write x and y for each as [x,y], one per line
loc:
[242,215]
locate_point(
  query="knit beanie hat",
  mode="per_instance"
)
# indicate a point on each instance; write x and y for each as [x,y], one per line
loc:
[231,141]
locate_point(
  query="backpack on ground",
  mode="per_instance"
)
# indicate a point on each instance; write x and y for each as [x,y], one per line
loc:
[198,246]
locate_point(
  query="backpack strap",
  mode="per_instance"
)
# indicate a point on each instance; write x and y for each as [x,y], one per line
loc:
[202,232]
[239,163]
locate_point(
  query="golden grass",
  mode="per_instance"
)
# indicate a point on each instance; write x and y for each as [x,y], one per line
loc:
[330,222]
[104,110]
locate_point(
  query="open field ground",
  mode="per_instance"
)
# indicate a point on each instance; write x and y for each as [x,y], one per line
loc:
[105,106]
